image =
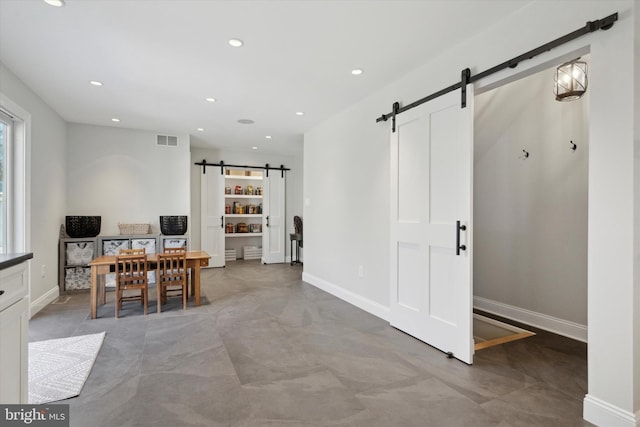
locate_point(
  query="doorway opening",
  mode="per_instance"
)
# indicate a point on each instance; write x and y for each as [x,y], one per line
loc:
[530,205]
[242,214]
[243,198]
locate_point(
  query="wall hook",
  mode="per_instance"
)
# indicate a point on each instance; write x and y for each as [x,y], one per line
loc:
[525,154]
[573,146]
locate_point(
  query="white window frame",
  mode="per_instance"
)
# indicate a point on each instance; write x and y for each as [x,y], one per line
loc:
[18,180]
[5,217]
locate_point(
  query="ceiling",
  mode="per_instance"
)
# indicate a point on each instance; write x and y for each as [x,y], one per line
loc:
[160,59]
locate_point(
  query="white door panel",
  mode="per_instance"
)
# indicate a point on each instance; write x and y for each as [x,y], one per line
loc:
[431,188]
[212,216]
[273,227]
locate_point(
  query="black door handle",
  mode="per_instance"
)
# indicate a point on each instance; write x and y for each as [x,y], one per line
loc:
[459,247]
[267,221]
[222,221]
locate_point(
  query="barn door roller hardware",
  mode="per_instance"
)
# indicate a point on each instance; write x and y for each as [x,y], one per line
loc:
[223,165]
[466,77]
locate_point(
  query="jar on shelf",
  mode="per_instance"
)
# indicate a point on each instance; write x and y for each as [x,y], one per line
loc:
[230,228]
[227,209]
[250,190]
[238,189]
[259,191]
[227,190]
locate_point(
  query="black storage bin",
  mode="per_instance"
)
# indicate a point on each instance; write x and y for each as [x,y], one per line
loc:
[173,225]
[83,226]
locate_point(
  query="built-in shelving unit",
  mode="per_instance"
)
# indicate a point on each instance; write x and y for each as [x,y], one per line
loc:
[74,273]
[244,192]
[242,212]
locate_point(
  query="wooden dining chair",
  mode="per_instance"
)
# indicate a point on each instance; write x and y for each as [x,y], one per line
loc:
[102,291]
[172,275]
[181,249]
[131,274]
[139,251]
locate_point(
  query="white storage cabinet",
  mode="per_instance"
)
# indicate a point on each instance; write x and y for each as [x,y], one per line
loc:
[14,334]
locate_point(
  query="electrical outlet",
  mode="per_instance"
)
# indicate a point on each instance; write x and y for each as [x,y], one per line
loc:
[360,270]
[44,271]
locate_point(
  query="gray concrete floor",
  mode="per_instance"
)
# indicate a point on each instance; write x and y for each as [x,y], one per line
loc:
[266,349]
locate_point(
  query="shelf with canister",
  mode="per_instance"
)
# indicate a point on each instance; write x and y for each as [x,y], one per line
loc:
[246,215]
[244,194]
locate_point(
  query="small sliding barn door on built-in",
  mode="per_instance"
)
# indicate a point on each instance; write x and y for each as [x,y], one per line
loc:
[431,205]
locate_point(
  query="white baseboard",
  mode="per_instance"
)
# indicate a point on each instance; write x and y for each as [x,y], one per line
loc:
[558,326]
[352,298]
[44,300]
[601,413]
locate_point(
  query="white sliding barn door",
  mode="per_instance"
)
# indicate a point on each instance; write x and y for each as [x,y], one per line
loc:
[431,189]
[212,216]
[273,228]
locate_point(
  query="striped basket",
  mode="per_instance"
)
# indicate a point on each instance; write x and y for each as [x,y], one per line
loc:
[134,228]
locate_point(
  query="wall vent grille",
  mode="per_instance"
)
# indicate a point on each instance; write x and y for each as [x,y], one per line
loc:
[167,140]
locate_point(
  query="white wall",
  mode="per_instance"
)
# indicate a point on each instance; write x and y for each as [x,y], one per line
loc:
[347,217]
[123,176]
[46,164]
[530,216]
[636,239]
[346,196]
[293,184]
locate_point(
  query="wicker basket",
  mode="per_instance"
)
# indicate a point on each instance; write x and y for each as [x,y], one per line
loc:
[82,226]
[173,225]
[133,228]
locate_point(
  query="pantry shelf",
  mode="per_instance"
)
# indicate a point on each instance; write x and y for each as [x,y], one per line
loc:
[242,196]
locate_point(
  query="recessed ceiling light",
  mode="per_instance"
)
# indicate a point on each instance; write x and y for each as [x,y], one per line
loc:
[210,99]
[246,121]
[268,136]
[56,3]
[200,129]
[300,113]
[357,72]
[95,83]
[254,148]
[115,120]
[236,42]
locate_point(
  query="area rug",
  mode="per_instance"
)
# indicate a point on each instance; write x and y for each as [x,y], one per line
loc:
[59,368]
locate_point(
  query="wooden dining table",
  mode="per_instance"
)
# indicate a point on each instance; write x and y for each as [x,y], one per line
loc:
[105,264]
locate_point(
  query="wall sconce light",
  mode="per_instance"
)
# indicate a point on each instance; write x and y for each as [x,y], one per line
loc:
[570,80]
